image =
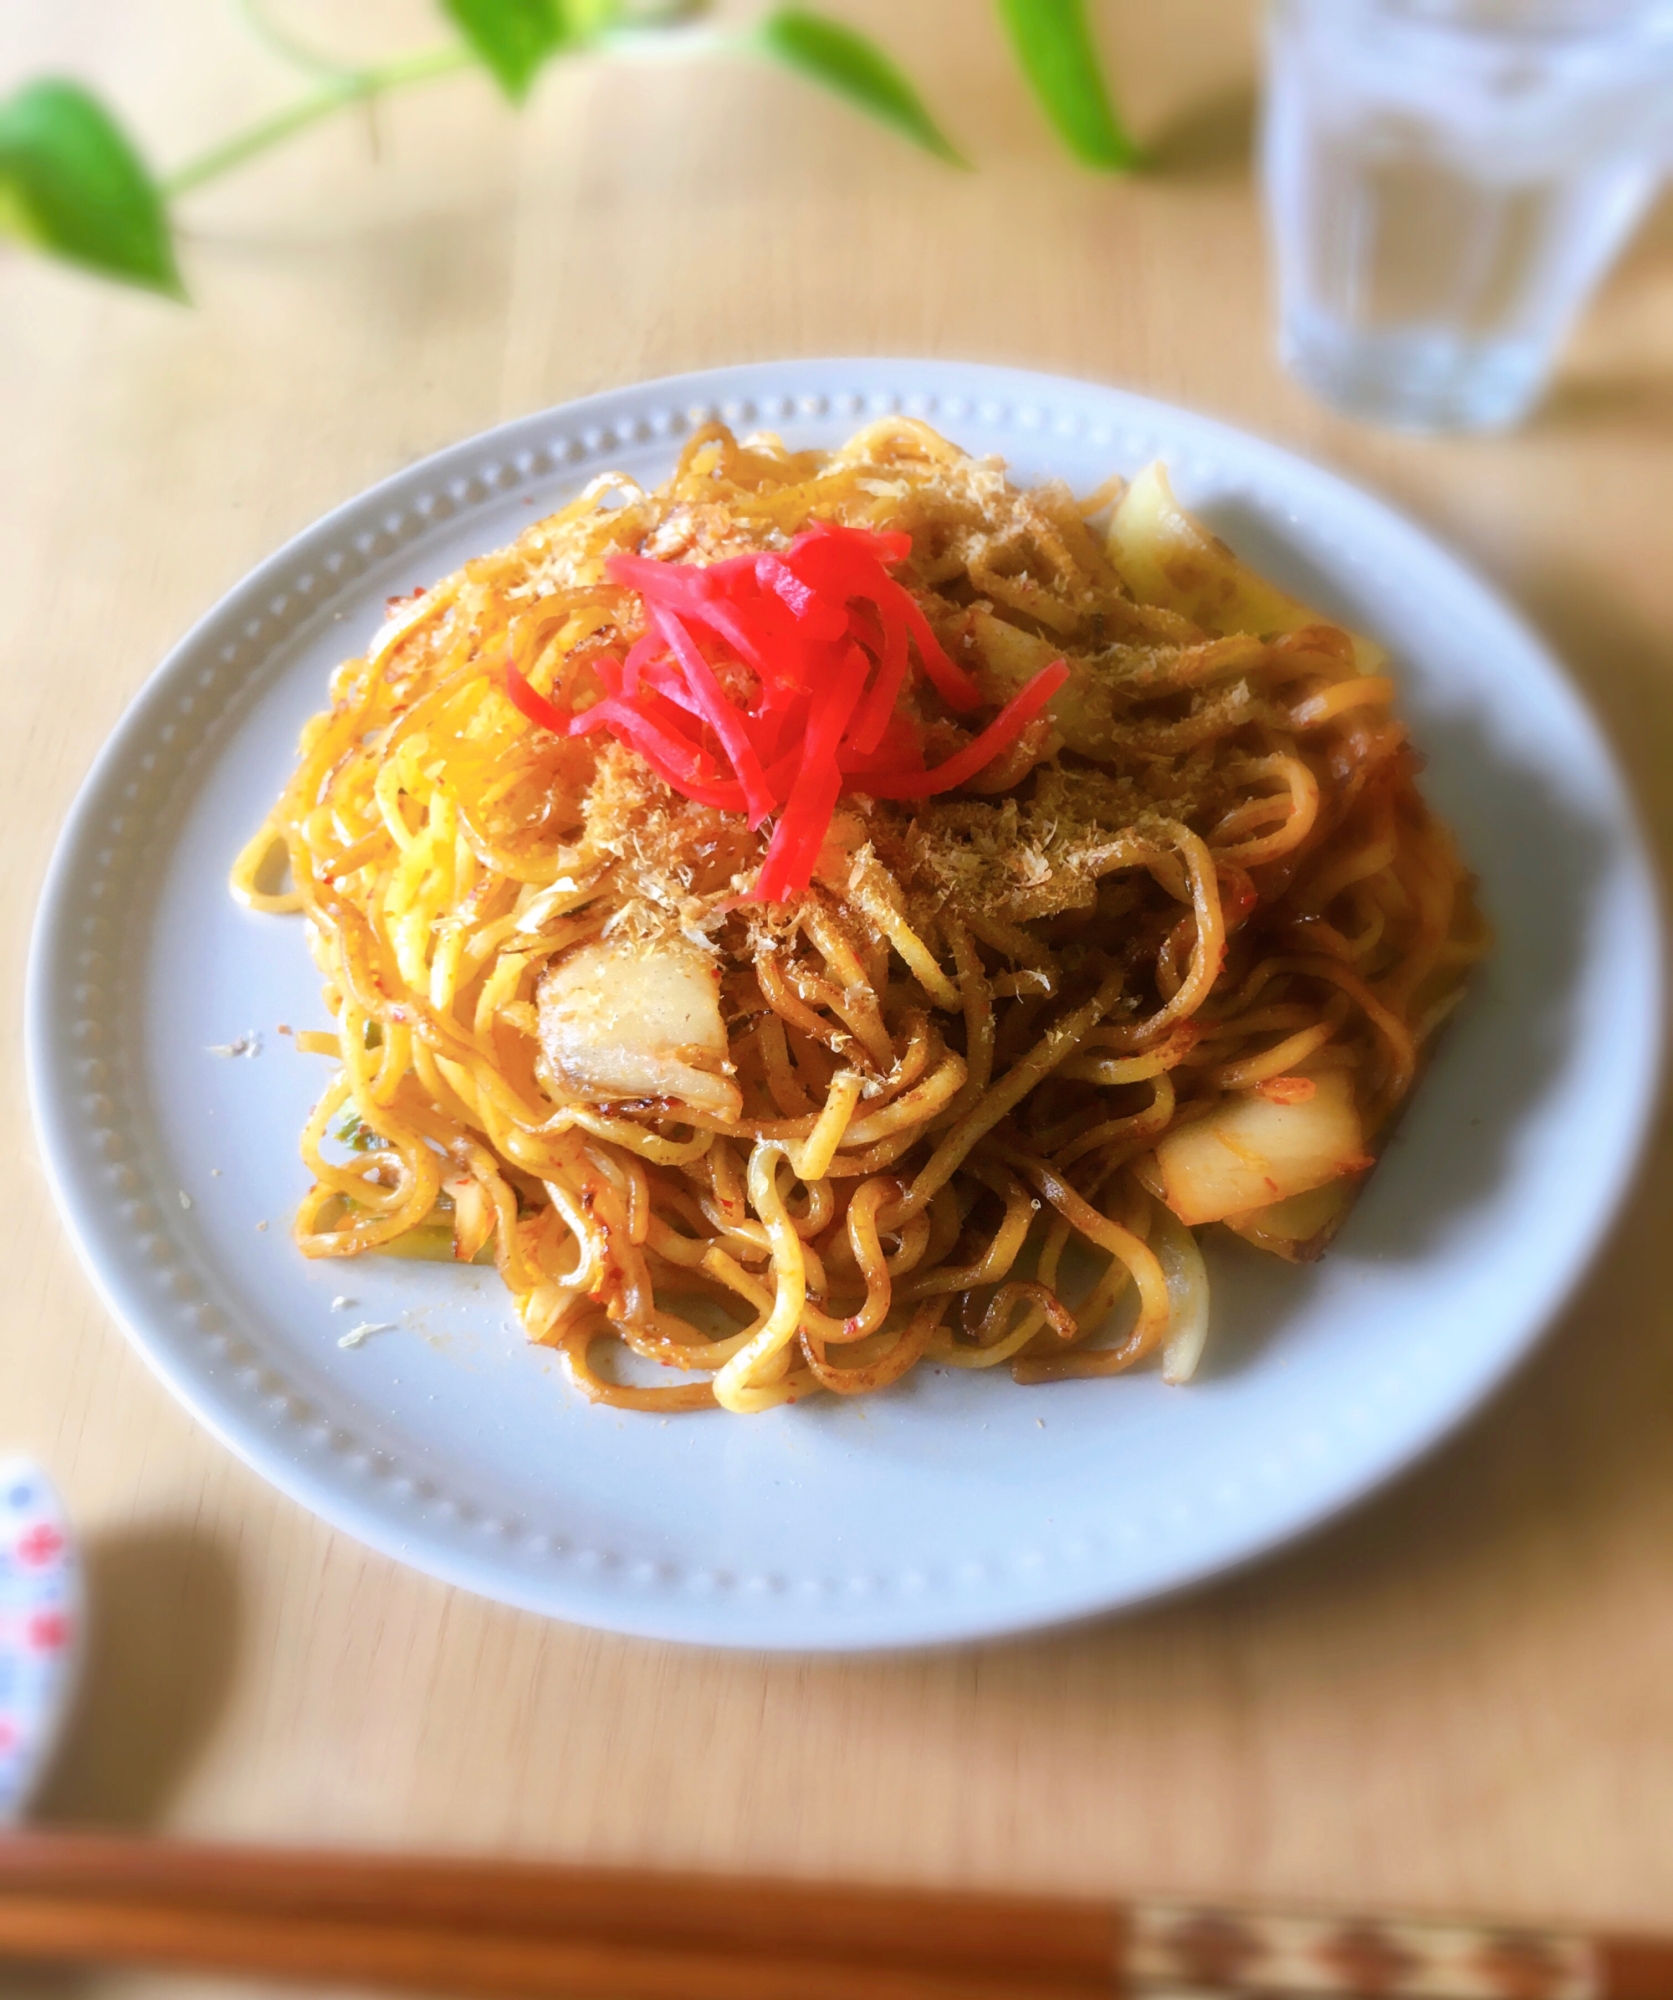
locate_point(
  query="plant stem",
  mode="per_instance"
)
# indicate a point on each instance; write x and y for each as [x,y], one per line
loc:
[351,87]
[282,43]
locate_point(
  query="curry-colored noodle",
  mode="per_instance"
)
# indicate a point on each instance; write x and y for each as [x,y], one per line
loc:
[1171,958]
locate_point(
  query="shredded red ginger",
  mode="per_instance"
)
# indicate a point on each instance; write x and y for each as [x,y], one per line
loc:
[823,635]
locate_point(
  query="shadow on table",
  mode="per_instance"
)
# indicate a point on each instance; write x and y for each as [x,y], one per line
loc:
[162,1645]
[1640,393]
[1642,398]
[1213,137]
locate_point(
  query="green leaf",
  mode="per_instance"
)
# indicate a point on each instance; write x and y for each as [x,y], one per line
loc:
[1054,44]
[71,184]
[513,37]
[835,56]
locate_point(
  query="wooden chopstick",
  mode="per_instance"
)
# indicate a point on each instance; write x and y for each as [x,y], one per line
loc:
[439,1959]
[1038,1936]
[511,1928]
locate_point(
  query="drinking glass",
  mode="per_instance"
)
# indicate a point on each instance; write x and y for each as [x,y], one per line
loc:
[1447,181]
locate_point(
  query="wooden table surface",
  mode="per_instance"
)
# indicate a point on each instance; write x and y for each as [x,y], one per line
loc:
[1460,1696]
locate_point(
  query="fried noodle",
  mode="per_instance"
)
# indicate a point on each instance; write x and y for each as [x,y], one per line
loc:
[1172,957]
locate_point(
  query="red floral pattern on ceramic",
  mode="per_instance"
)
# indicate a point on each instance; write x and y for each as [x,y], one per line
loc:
[40,1627]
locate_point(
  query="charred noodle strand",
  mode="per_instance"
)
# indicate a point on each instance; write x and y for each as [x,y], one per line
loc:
[912,1240]
[577,1350]
[653,1146]
[1008,939]
[1208,952]
[1359,691]
[796,1013]
[1058,1042]
[818,1287]
[1165,1055]
[1017,1022]
[1124,1248]
[1281,1057]
[783,1130]
[1113,1071]
[878,898]
[1300,808]
[905,1352]
[1064,1324]
[732,1274]
[976,997]
[868,1197]
[1402,1048]
[1357,864]
[727,1209]
[914,1108]
[747,1238]
[789,1092]
[837,950]
[1433,892]
[922,1042]
[591,1248]
[1014,1315]
[821,1208]
[628,1176]
[1149,1123]
[855,1007]
[844,1166]
[622,1280]
[1003,1248]
[514,1267]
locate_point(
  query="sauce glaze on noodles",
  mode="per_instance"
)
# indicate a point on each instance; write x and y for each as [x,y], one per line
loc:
[1203,892]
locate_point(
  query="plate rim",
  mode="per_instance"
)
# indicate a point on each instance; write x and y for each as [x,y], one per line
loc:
[952,1618]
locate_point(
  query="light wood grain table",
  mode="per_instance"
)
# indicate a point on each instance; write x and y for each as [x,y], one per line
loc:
[1463,1694]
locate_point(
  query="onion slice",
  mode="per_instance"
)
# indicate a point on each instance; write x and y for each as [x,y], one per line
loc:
[1187,1276]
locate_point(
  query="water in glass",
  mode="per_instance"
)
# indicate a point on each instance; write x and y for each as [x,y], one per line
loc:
[1447,180]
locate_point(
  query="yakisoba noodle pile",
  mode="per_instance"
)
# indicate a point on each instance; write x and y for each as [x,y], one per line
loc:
[1171,958]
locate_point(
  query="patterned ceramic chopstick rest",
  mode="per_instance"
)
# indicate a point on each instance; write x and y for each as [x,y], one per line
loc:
[1178,1948]
[40,1628]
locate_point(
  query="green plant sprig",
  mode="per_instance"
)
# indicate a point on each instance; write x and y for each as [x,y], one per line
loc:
[74,186]
[345,88]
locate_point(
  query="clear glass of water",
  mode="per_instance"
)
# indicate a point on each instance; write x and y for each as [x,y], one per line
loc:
[1447,181]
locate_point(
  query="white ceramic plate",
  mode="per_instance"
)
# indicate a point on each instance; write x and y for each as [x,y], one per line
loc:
[958,1505]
